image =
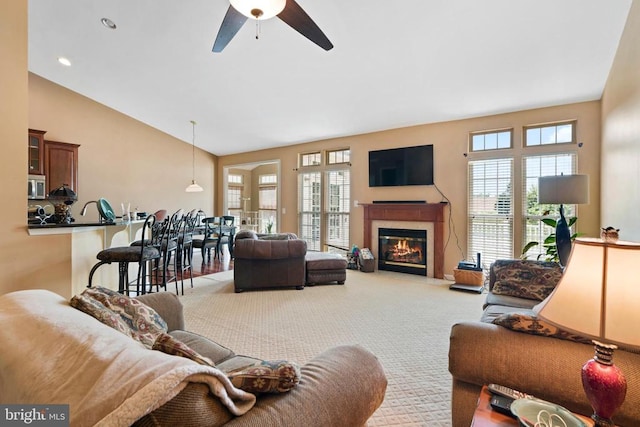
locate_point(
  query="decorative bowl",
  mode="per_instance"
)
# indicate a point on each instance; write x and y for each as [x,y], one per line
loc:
[531,411]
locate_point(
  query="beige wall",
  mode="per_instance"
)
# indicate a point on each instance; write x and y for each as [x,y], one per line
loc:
[450,140]
[24,262]
[621,135]
[120,159]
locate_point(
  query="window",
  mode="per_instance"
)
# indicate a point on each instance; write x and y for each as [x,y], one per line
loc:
[310,159]
[555,133]
[234,179]
[338,156]
[268,179]
[534,167]
[267,203]
[309,209]
[337,209]
[490,209]
[234,197]
[491,140]
[324,198]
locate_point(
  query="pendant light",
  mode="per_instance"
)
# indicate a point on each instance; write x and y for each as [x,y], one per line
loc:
[193,187]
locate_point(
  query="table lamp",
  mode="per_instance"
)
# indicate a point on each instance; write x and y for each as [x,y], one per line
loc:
[563,190]
[597,297]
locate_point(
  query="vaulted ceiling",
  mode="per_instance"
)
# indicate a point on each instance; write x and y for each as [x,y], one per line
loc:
[394,64]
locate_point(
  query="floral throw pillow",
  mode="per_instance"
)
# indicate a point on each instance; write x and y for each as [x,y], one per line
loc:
[143,322]
[525,278]
[527,321]
[170,345]
[266,377]
[96,309]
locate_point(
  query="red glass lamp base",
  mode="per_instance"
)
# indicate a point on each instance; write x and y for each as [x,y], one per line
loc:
[604,384]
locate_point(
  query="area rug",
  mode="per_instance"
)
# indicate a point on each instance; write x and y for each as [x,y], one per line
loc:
[403,319]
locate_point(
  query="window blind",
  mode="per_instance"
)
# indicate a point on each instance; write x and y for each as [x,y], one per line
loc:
[490,209]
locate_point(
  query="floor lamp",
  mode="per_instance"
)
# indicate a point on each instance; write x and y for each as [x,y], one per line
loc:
[599,297]
[563,190]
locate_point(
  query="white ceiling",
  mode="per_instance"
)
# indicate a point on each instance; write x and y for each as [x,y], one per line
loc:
[394,64]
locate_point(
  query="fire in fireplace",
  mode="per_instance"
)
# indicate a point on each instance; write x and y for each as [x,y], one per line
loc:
[402,250]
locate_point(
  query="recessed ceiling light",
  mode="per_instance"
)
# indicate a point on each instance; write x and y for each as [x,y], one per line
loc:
[108,23]
[64,61]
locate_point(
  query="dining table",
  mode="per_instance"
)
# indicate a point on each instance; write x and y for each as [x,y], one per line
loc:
[222,229]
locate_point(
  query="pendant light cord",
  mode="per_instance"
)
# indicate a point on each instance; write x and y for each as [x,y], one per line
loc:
[193,150]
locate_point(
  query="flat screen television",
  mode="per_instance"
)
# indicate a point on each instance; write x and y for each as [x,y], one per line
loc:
[401,166]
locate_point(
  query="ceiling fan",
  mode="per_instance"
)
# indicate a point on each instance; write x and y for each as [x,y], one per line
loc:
[287,10]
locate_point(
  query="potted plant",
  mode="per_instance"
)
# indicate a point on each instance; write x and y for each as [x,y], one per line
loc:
[549,243]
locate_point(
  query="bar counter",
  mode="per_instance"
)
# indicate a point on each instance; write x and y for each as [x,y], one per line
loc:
[86,239]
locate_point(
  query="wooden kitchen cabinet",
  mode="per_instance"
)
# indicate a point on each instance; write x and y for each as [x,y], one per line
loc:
[61,165]
[36,152]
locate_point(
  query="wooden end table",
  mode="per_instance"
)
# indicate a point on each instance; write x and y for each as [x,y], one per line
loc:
[485,416]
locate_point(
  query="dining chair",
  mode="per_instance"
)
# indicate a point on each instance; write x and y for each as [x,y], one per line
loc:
[210,238]
[226,233]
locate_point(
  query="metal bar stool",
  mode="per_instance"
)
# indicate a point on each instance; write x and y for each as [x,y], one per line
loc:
[124,255]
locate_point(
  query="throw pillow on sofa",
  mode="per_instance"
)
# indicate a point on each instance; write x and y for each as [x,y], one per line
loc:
[525,278]
[528,322]
[121,312]
[277,376]
[170,345]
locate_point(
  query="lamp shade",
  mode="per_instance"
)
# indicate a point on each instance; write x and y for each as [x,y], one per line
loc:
[599,294]
[259,9]
[193,188]
[563,189]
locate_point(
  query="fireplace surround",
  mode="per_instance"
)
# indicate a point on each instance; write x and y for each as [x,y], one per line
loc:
[427,216]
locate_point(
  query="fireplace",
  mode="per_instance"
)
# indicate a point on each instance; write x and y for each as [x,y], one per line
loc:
[402,250]
[417,216]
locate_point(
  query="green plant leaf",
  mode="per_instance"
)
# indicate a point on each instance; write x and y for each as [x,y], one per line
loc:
[550,222]
[529,246]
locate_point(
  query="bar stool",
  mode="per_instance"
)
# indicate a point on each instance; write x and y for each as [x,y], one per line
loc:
[169,250]
[185,246]
[124,255]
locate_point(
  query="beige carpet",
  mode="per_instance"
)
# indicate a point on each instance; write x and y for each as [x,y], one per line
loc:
[403,319]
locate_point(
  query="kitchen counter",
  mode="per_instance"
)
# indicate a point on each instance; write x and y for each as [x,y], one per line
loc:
[72,224]
[84,241]
[110,229]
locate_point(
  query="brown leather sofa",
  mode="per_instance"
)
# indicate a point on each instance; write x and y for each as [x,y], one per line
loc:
[263,262]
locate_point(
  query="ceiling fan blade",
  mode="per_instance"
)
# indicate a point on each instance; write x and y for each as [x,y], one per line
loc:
[294,16]
[231,24]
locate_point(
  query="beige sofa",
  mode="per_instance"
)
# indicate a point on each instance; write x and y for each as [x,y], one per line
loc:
[108,378]
[529,356]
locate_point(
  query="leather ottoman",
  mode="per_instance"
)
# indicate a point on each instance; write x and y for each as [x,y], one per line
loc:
[323,267]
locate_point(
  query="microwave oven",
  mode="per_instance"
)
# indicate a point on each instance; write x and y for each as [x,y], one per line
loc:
[36,185]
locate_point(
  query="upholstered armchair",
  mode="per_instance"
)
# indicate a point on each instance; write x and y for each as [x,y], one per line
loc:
[271,261]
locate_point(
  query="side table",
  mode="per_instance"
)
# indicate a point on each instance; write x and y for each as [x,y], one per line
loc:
[485,416]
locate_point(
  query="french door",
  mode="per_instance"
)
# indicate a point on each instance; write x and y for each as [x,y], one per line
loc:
[324,200]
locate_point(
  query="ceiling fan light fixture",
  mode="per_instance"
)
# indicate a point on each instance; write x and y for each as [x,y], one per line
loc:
[259,9]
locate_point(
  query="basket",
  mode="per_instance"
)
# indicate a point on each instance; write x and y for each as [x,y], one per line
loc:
[468,277]
[366,261]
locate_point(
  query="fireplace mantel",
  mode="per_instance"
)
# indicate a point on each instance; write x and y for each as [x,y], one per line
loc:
[422,212]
